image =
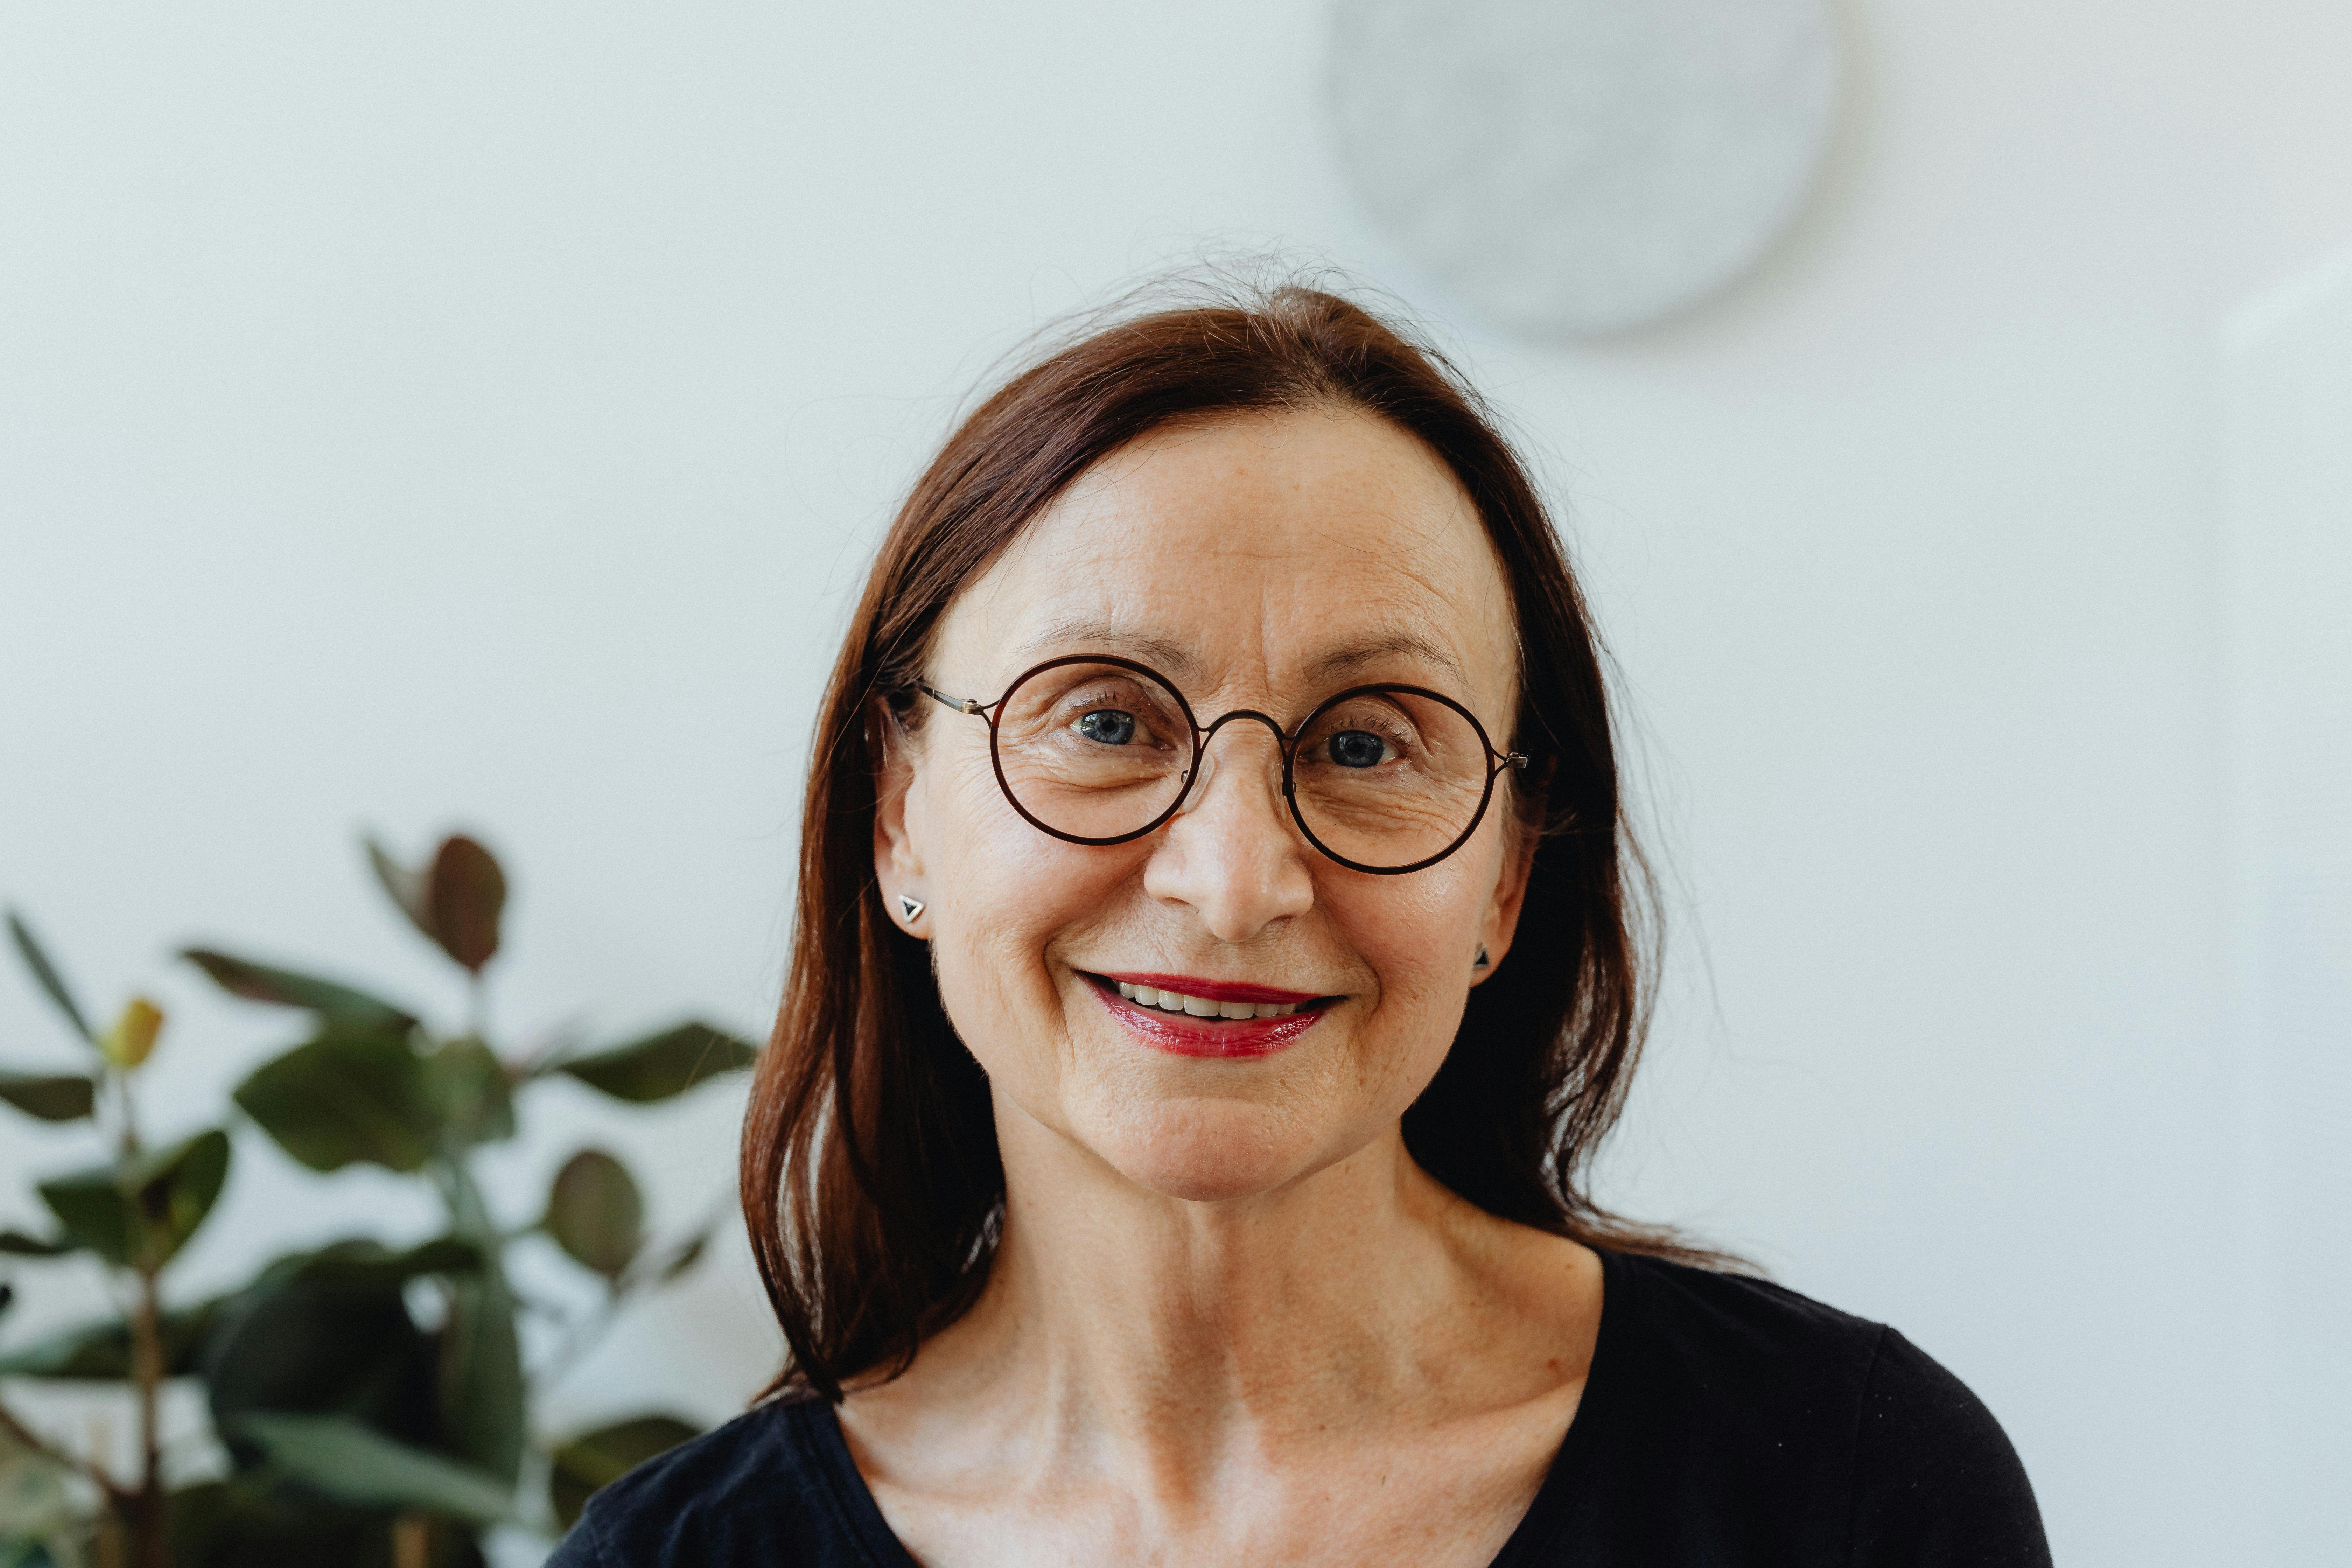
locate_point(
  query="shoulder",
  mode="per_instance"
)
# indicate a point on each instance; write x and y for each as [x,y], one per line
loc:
[758,1490]
[1936,1479]
[1741,1345]
[1751,1399]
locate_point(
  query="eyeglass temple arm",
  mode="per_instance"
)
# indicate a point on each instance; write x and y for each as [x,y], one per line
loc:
[961,704]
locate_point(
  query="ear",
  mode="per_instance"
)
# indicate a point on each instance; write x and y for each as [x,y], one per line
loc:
[1501,916]
[898,857]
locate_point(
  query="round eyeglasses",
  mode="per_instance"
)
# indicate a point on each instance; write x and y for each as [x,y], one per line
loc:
[1097,750]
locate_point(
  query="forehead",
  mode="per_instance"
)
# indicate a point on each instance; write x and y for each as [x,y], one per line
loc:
[1250,548]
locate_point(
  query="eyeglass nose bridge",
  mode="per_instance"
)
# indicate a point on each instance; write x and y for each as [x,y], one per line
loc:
[1196,777]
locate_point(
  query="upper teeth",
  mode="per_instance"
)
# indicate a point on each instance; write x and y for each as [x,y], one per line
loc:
[1200,1006]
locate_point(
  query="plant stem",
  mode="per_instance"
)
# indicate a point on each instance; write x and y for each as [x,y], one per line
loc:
[145,1505]
[129,1110]
[558,1040]
[645,1274]
[150,1550]
[412,1541]
[591,1327]
[105,1548]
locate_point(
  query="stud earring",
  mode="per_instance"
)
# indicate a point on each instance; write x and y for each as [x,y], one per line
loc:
[1479,962]
[912,908]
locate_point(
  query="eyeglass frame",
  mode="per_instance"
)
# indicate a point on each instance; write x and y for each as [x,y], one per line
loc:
[1497,762]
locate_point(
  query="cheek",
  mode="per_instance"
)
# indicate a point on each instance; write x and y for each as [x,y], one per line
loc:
[1418,932]
[1417,935]
[1003,894]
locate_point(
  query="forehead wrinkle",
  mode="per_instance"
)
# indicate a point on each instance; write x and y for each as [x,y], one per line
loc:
[1076,634]
[1252,531]
[1083,635]
[1391,588]
[1405,645]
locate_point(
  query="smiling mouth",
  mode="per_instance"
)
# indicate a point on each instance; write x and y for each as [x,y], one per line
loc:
[1193,1017]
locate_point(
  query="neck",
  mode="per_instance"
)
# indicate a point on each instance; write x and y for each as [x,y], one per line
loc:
[1119,1319]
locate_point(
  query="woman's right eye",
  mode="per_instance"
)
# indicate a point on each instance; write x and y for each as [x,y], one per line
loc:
[1107,726]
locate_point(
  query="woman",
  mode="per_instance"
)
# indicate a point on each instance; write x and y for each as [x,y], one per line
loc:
[1213,974]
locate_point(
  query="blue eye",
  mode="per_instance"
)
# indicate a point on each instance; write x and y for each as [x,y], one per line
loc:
[1107,726]
[1356,749]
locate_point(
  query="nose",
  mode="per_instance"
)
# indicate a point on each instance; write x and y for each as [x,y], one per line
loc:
[1233,853]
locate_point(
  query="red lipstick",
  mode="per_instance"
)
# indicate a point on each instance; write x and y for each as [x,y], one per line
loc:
[1183,1035]
[1212,990]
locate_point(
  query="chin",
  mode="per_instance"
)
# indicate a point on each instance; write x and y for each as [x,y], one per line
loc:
[1208,1151]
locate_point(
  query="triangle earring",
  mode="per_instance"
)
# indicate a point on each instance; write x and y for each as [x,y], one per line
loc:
[911,908]
[1479,962]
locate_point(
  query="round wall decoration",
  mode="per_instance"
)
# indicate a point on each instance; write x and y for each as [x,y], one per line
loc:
[1581,167]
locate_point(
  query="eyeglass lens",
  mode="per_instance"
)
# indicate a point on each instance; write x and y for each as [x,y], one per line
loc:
[1382,778]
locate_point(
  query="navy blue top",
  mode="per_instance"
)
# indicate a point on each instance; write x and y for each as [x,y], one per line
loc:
[1725,1421]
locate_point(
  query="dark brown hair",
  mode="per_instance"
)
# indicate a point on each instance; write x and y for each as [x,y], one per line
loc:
[870,1174]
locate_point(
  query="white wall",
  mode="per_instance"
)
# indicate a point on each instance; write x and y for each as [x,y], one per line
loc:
[452,416]
[2289,385]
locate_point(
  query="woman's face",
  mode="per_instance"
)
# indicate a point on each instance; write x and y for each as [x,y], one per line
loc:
[1261,562]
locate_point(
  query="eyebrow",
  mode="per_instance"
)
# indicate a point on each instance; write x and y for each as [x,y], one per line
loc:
[1106,637]
[1396,644]
[1176,659]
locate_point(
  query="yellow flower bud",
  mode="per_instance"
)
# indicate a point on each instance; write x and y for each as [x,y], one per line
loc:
[132,1037]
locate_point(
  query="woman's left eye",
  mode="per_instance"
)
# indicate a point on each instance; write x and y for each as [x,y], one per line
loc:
[1357,749]
[1108,726]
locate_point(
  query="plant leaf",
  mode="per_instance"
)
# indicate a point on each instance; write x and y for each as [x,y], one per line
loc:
[328,1330]
[140,1211]
[101,1351]
[97,1213]
[17,1243]
[328,1333]
[467,1086]
[348,1095]
[52,1096]
[687,1255]
[177,1188]
[299,1342]
[481,1381]
[595,1213]
[456,901]
[46,975]
[131,1041]
[597,1459]
[361,1264]
[334,1002]
[660,1066]
[406,887]
[355,1465]
[464,893]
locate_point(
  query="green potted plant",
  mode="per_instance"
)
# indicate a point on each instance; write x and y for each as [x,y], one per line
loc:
[372,1398]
